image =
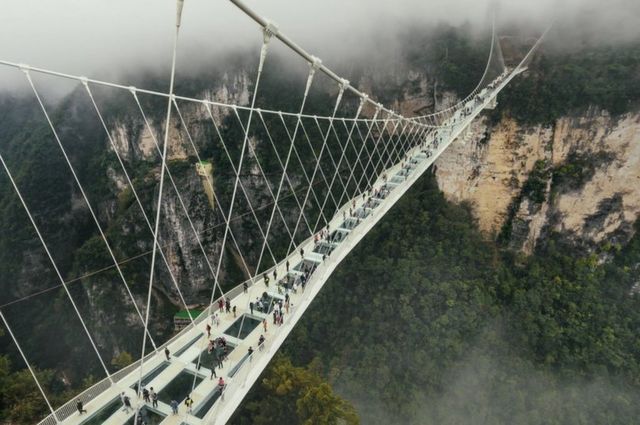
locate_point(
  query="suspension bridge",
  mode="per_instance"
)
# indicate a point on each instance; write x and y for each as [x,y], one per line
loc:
[383,154]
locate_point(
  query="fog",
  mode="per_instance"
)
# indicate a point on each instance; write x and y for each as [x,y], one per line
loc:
[493,385]
[108,38]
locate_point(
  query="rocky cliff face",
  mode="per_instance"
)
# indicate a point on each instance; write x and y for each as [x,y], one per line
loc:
[186,209]
[587,170]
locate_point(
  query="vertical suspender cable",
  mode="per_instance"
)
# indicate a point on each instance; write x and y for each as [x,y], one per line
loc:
[179,5]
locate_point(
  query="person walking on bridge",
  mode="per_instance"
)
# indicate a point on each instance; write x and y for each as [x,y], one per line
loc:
[154,397]
[126,402]
[213,369]
[188,402]
[80,407]
[250,353]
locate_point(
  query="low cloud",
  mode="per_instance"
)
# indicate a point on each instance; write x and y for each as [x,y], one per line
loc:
[109,39]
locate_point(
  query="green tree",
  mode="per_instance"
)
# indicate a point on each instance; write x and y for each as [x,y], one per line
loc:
[122,360]
[296,395]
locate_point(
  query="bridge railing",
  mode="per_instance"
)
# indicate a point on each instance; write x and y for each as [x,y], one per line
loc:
[66,410]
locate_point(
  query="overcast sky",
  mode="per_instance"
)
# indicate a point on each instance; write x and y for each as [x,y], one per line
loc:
[88,37]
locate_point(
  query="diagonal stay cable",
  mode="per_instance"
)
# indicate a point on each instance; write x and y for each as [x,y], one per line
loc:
[220,207]
[238,217]
[318,161]
[264,177]
[367,175]
[53,262]
[236,174]
[312,71]
[289,183]
[342,155]
[364,141]
[301,162]
[31,371]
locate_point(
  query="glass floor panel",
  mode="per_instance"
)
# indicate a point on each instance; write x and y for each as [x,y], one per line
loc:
[179,388]
[207,360]
[236,368]
[188,345]
[293,278]
[305,265]
[267,302]
[323,248]
[147,417]
[338,236]
[241,328]
[202,410]
[350,223]
[103,414]
[151,375]
[360,213]
[372,203]
[382,193]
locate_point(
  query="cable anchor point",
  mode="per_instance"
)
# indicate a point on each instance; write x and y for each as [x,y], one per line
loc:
[24,68]
[269,30]
[179,6]
[315,62]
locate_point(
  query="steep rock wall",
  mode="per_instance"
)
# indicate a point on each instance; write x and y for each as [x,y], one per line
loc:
[491,169]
